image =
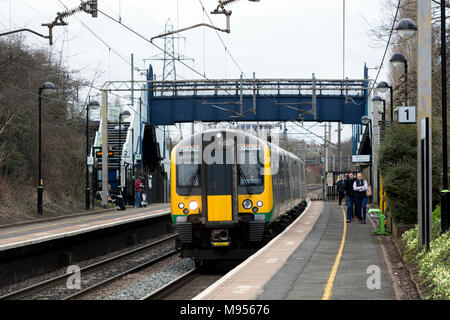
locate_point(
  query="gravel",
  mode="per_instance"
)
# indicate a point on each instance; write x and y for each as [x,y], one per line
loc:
[152,282]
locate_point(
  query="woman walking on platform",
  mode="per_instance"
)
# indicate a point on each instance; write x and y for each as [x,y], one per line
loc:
[360,186]
[340,188]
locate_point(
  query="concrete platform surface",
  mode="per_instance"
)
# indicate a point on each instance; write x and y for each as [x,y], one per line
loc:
[17,236]
[319,256]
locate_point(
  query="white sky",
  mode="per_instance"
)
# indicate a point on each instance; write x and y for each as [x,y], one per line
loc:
[274,38]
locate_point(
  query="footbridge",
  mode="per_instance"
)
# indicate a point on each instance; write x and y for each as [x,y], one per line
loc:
[216,100]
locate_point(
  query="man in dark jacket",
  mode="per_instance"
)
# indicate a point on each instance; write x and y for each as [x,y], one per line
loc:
[350,193]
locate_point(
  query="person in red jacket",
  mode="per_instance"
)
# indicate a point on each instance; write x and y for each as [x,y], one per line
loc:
[138,186]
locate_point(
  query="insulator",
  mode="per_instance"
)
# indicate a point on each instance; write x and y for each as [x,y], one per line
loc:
[226,2]
[69,13]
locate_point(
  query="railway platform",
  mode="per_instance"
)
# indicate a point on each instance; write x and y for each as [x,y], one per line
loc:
[36,248]
[319,256]
[21,235]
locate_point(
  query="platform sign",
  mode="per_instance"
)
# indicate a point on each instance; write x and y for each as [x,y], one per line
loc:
[330,179]
[406,114]
[361,158]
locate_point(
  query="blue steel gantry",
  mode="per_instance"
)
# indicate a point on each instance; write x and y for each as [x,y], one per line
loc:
[169,102]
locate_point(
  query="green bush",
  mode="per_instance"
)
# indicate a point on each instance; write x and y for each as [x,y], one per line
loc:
[433,265]
[398,167]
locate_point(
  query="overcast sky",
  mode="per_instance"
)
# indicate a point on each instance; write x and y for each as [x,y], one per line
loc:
[273,38]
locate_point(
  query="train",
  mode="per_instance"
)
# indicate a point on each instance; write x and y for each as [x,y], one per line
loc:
[231,192]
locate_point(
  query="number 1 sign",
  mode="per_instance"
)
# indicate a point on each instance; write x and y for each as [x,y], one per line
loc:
[406,115]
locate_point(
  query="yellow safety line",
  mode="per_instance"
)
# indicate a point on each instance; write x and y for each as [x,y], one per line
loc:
[327,293]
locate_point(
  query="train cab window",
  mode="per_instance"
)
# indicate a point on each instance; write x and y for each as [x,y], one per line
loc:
[250,175]
[188,172]
[188,175]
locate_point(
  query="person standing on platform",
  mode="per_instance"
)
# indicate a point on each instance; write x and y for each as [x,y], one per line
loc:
[340,188]
[138,185]
[360,186]
[350,193]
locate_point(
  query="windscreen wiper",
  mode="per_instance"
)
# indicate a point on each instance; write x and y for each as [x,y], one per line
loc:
[191,183]
[244,178]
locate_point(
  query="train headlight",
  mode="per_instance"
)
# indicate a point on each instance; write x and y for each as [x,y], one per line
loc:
[193,205]
[181,205]
[247,204]
[259,203]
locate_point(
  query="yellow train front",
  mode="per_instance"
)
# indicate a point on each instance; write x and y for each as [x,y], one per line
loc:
[231,192]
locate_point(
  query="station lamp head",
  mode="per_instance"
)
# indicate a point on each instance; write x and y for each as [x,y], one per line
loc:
[365,120]
[406,28]
[397,60]
[48,88]
[377,100]
[383,86]
[94,105]
[125,115]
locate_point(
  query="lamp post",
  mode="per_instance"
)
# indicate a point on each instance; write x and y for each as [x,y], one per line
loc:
[445,195]
[397,60]
[407,28]
[365,120]
[47,88]
[383,86]
[125,114]
[377,100]
[93,105]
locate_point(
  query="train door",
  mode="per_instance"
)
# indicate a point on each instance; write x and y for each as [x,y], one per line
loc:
[219,176]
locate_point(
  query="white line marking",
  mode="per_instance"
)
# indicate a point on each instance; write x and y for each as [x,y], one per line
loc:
[241,289]
[272,260]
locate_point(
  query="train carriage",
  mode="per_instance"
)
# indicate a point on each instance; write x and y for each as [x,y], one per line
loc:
[231,192]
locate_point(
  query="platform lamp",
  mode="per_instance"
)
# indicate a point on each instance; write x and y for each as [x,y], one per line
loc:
[91,105]
[445,194]
[397,60]
[123,115]
[365,120]
[382,87]
[381,109]
[407,28]
[47,88]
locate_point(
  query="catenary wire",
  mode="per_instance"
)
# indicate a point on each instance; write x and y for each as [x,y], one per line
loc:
[386,48]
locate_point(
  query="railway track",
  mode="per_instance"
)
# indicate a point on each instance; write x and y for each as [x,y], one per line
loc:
[96,275]
[192,282]
[185,287]
[314,192]
[172,286]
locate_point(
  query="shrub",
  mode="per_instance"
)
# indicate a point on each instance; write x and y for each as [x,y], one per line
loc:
[398,165]
[433,265]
